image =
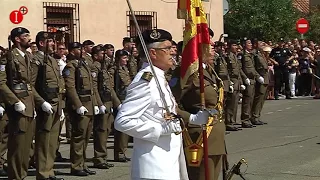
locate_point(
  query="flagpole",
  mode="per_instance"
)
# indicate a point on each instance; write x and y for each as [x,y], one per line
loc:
[202,102]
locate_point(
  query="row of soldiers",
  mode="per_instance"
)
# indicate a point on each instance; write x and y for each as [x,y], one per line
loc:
[38,92]
[244,72]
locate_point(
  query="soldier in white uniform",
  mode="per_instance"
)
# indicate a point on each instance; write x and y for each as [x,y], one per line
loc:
[157,151]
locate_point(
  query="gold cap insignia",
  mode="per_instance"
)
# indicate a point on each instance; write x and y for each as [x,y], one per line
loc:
[155,35]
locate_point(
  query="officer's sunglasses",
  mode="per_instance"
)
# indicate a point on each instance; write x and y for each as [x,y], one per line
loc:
[166,49]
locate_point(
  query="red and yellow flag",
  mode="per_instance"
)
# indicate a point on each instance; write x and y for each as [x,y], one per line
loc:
[196,39]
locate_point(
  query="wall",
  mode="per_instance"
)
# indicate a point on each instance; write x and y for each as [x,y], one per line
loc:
[105,21]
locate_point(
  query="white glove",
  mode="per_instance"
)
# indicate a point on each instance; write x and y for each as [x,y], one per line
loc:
[243,87]
[231,89]
[200,118]
[34,114]
[46,107]
[119,107]
[82,110]
[102,109]
[20,107]
[260,80]
[247,81]
[1,111]
[170,127]
[96,110]
[62,115]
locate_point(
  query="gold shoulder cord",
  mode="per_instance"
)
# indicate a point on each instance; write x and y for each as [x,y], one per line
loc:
[194,151]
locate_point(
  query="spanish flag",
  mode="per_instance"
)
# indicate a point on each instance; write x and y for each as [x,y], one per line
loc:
[196,39]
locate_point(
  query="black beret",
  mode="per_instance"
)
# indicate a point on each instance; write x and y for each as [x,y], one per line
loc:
[232,42]
[121,52]
[43,35]
[211,33]
[174,43]
[179,47]
[87,42]
[127,40]
[156,35]
[17,32]
[108,46]
[96,49]
[74,45]
[254,40]
[218,44]
[244,40]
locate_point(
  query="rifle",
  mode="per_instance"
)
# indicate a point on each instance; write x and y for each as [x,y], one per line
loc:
[41,83]
[78,78]
[105,95]
[100,74]
[9,70]
[117,88]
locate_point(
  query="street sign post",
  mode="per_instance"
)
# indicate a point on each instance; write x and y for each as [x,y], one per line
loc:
[302,26]
[225,7]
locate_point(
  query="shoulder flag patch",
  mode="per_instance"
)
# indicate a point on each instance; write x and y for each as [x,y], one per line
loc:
[2,67]
[147,76]
[66,72]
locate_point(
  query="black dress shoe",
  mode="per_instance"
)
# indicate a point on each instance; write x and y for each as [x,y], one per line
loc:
[3,172]
[246,125]
[110,165]
[55,178]
[128,159]
[79,173]
[101,166]
[61,159]
[121,159]
[32,166]
[256,122]
[263,122]
[87,170]
[231,128]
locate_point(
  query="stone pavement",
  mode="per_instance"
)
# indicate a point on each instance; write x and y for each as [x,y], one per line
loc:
[286,148]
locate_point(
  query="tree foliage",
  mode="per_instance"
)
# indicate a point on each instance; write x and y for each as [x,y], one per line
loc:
[265,19]
[314,20]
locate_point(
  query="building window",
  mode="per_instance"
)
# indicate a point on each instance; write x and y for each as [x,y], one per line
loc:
[146,20]
[63,20]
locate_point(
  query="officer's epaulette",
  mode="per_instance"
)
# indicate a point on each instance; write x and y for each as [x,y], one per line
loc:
[147,76]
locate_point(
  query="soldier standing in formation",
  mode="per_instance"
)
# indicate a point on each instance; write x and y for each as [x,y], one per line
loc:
[107,99]
[190,100]
[83,107]
[122,81]
[232,98]
[132,64]
[3,136]
[261,66]
[252,76]
[50,102]
[17,91]
[87,48]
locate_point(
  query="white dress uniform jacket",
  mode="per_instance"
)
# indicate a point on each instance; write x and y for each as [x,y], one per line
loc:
[155,156]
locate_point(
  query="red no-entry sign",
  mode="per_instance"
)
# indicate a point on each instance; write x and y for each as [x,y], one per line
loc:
[302,26]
